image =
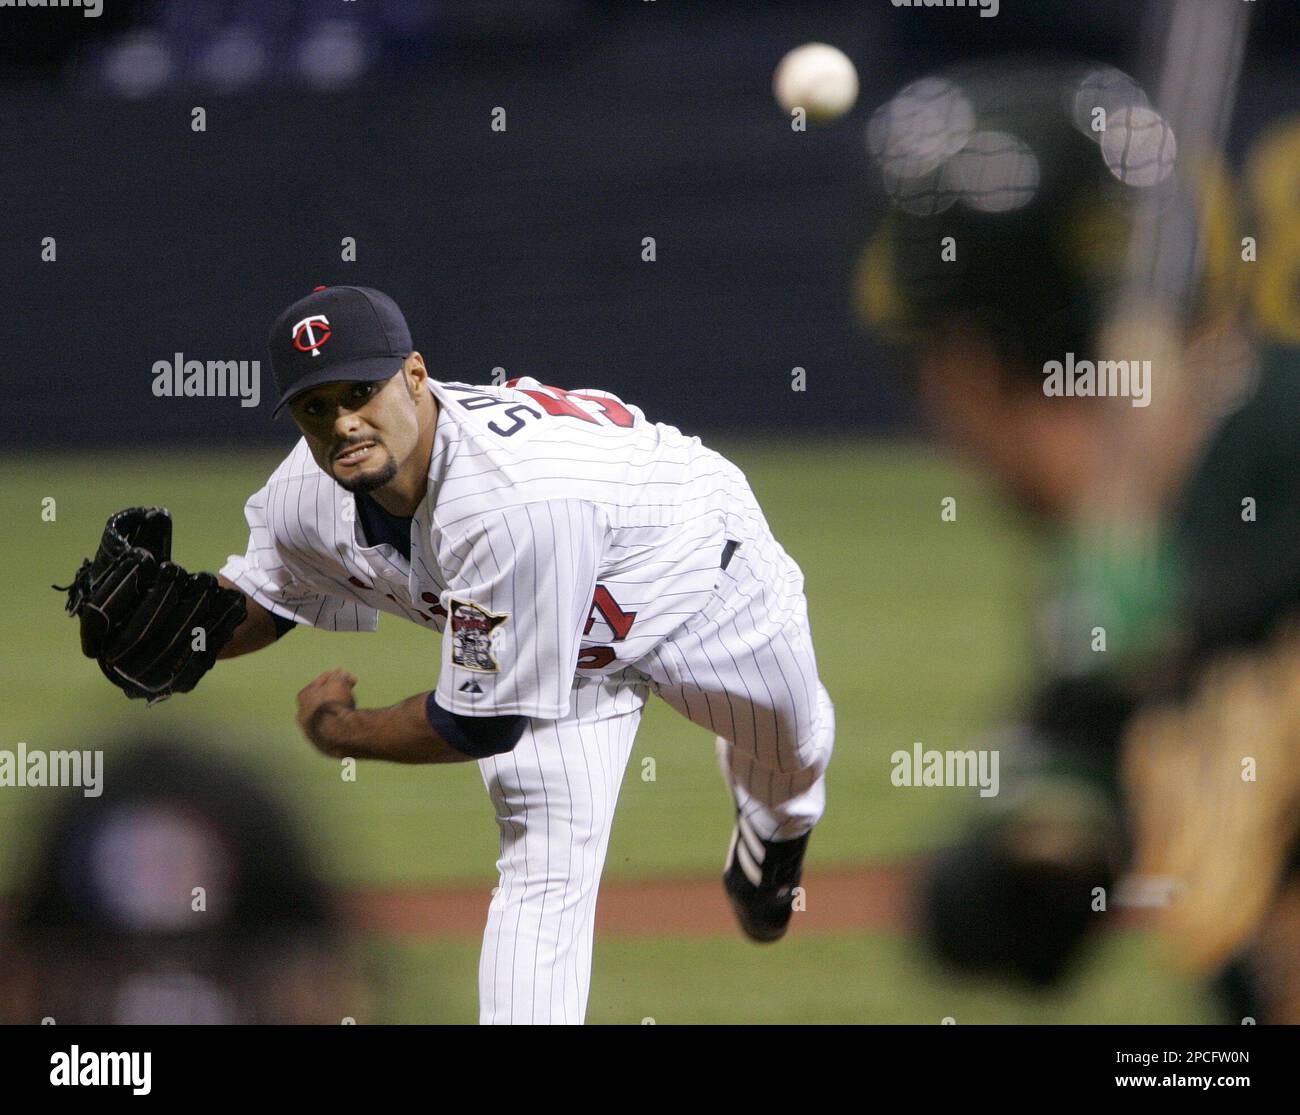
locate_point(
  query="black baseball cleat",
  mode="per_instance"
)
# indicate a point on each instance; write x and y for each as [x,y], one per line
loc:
[760,877]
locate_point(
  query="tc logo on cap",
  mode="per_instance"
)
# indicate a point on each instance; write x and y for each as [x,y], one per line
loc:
[305,338]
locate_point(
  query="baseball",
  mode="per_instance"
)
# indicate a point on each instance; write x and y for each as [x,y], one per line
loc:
[818,78]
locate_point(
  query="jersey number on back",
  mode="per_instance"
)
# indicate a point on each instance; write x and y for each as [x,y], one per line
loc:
[559,402]
[555,401]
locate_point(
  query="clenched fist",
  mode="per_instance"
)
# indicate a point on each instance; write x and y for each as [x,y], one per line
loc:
[318,701]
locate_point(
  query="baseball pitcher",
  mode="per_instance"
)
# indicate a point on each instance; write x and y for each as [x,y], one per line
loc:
[575,557]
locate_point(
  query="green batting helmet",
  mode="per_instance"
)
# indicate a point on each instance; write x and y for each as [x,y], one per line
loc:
[1009,190]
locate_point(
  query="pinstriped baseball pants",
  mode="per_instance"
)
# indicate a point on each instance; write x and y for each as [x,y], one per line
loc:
[744,668]
[555,796]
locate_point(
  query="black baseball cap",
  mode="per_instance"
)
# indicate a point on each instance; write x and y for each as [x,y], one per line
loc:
[337,333]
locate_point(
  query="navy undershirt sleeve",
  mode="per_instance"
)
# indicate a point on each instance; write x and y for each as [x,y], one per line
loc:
[281,624]
[475,736]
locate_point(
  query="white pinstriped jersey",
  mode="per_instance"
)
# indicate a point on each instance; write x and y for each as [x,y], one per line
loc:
[564,533]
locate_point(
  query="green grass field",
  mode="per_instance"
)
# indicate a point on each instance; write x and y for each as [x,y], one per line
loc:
[816,980]
[922,634]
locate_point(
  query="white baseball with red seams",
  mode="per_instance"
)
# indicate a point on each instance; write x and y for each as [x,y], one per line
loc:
[579,547]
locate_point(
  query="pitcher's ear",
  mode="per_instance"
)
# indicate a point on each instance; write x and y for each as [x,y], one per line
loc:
[414,366]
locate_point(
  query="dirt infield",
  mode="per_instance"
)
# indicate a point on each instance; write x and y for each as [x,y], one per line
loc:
[873,898]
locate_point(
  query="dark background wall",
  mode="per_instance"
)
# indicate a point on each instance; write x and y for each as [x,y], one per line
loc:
[518,249]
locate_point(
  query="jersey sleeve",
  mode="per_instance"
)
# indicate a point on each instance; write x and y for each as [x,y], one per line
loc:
[518,595]
[263,576]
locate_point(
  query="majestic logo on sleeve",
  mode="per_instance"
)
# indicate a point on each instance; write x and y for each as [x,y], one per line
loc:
[471,636]
[310,333]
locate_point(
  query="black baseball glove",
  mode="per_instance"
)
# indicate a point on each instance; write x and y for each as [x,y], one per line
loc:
[143,616]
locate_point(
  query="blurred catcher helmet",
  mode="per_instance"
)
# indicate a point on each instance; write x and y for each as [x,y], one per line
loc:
[1009,189]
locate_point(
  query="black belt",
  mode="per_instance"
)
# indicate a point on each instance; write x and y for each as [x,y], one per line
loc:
[728,550]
